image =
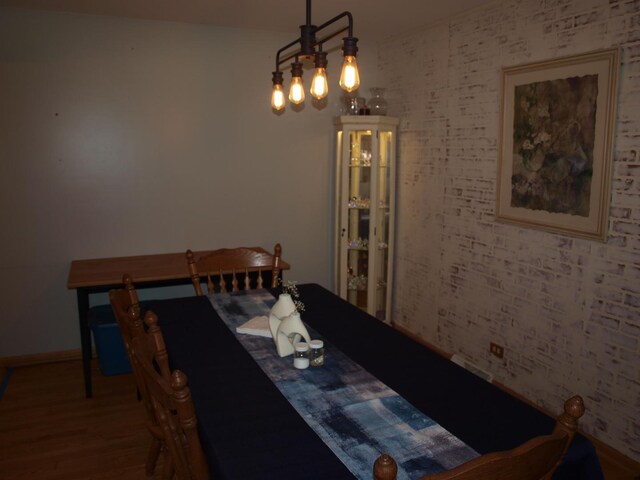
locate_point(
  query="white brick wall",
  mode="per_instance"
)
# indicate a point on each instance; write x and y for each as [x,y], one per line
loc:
[567,310]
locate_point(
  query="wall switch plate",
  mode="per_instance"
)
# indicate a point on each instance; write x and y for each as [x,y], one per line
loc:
[496,349]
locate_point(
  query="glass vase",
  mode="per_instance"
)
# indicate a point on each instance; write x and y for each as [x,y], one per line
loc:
[377,104]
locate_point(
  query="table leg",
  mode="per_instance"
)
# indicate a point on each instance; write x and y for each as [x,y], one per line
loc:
[82,296]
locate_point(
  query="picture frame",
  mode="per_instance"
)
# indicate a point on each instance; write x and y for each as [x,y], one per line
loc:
[556,145]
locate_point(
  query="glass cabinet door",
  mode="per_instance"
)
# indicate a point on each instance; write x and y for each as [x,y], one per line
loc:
[359,217]
[382,229]
[364,211]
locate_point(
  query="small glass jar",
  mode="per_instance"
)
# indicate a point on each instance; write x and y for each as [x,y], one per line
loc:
[316,355]
[301,355]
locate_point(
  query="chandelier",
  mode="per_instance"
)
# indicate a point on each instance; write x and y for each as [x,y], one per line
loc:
[310,47]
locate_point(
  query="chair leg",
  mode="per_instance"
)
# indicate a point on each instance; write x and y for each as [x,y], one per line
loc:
[167,467]
[152,456]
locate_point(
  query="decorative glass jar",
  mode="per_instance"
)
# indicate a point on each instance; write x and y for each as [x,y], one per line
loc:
[301,355]
[377,104]
[316,355]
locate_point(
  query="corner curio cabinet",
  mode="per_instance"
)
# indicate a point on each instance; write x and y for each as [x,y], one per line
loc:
[365,189]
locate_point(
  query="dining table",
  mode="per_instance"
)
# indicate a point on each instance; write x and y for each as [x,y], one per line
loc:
[250,429]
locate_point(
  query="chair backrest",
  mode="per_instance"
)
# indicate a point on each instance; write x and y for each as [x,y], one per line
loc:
[536,459]
[172,403]
[126,309]
[234,262]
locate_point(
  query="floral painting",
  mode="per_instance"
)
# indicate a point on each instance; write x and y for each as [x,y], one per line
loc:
[556,143]
[553,140]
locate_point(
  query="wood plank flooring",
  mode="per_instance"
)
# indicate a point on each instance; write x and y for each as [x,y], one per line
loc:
[50,431]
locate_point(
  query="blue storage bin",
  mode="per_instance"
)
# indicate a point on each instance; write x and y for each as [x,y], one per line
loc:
[112,356]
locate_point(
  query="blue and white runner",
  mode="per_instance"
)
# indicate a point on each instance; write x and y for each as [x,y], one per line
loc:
[355,414]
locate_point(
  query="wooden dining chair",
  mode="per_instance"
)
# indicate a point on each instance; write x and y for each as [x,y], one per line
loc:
[126,309]
[234,262]
[171,402]
[536,459]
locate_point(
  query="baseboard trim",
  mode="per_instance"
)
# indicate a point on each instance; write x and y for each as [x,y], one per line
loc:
[422,341]
[606,453]
[39,358]
[611,456]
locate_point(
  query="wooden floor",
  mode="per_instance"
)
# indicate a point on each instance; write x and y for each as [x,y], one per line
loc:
[50,431]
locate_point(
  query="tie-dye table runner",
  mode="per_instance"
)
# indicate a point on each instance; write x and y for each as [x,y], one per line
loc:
[354,413]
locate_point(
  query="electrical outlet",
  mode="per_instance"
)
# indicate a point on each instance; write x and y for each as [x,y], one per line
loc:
[496,349]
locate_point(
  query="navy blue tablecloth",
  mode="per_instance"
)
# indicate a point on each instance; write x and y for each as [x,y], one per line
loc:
[249,430]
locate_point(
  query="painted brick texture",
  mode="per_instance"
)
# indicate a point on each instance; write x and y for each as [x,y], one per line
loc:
[567,310]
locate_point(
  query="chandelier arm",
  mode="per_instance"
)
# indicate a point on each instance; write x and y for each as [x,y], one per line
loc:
[329,37]
[288,57]
[335,19]
[296,53]
[280,62]
[326,24]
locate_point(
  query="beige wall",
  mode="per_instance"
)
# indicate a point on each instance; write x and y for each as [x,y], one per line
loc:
[566,310]
[124,137]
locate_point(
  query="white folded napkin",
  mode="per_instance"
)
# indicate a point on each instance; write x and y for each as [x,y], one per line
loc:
[256,326]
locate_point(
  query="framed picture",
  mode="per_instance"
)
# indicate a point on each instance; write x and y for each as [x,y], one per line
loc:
[556,144]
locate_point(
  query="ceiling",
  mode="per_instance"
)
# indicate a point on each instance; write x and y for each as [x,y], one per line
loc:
[375,19]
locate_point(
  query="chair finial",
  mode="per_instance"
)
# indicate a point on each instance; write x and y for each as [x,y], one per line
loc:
[178,380]
[127,281]
[385,468]
[573,410]
[150,319]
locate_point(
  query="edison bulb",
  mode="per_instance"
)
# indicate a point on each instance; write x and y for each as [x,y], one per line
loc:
[296,92]
[349,78]
[319,85]
[277,97]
